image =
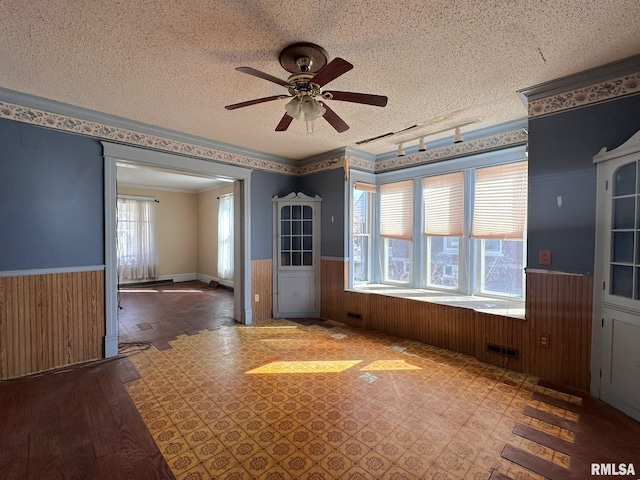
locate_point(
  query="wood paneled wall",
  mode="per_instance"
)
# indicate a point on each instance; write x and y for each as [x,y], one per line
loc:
[558,305]
[52,320]
[562,307]
[262,285]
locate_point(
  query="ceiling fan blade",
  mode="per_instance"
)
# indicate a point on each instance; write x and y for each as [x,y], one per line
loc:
[265,76]
[335,121]
[367,99]
[284,123]
[248,103]
[331,71]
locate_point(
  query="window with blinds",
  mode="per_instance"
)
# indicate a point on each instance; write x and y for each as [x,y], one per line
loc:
[443,198]
[396,210]
[472,224]
[396,230]
[443,207]
[500,203]
[499,224]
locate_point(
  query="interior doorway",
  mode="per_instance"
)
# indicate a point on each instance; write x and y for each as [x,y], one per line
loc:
[169,164]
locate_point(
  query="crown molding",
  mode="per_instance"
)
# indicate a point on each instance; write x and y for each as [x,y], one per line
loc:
[607,82]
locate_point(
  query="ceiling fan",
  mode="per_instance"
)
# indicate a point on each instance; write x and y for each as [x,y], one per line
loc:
[310,71]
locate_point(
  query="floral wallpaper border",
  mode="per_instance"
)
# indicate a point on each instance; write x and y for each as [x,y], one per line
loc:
[106,132]
[502,140]
[121,135]
[617,87]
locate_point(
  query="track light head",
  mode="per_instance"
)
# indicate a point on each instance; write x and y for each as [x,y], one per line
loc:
[421,146]
[400,150]
[457,137]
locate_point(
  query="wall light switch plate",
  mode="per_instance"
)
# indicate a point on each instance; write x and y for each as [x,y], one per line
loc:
[544,257]
[545,340]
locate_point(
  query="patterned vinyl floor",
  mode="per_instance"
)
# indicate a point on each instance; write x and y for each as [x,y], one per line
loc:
[280,400]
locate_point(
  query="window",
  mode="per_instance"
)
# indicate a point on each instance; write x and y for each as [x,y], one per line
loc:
[443,200]
[136,238]
[225,237]
[499,223]
[396,230]
[362,228]
[473,223]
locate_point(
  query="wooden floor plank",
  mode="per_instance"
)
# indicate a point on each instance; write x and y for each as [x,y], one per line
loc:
[556,402]
[550,418]
[496,475]
[73,429]
[15,413]
[125,371]
[127,419]
[543,438]
[536,464]
[45,446]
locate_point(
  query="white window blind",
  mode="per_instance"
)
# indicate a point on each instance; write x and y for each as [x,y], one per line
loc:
[444,205]
[500,203]
[396,207]
[365,187]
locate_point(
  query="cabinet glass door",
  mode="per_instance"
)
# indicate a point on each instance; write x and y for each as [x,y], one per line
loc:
[624,264]
[296,235]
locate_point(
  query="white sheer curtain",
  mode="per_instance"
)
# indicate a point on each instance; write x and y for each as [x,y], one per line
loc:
[225,237]
[136,242]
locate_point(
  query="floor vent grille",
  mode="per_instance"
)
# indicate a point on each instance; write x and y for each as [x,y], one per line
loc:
[499,349]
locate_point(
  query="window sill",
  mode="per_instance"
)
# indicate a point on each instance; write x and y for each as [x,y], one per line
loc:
[495,306]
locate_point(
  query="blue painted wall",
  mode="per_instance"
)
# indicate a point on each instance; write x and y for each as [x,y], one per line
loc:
[561,150]
[330,185]
[51,199]
[264,185]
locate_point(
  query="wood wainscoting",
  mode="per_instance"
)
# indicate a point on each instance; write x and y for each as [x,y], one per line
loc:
[262,285]
[558,305]
[50,320]
[561,307]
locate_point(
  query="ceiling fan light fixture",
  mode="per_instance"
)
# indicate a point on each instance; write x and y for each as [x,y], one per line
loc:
[293,108]
[457,137]
[311,108]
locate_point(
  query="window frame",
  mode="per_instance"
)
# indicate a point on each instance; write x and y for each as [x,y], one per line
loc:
[369,234]
[468,267]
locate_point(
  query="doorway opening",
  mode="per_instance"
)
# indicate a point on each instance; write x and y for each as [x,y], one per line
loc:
[187,191]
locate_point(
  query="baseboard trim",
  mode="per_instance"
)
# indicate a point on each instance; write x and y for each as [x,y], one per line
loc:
[208,278]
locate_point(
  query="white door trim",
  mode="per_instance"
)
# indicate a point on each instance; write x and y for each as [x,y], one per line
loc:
[114,153]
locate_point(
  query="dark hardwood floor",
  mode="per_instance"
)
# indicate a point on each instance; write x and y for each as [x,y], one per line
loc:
[76,424]
[159,313]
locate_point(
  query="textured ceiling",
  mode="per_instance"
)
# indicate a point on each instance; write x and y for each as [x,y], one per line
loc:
[132,175]
[172,63]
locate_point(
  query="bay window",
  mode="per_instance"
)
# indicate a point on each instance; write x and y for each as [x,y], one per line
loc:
[472,214]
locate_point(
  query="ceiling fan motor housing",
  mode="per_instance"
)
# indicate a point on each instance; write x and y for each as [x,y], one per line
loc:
[304,63]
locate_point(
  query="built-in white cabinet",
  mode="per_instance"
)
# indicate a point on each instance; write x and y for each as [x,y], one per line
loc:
[296,256]
[616,325]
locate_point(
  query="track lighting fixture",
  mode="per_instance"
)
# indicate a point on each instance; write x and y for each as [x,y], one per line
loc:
[457,137]
[422,145]
[400,150]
